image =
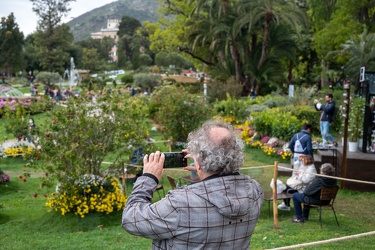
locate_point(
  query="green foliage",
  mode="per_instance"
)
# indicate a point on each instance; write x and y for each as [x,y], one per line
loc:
[268,101]
[165,59]
[356,118]
[47,78]
[192,87]
[76,139]
[147,81]
[144,60]
[303,95]
[155,69]
[128,78]
[128,26]
[231,107]
[17,124]
[177,112]
[217,90]
[11,41]
[277,123]
[53,48]
[305,114]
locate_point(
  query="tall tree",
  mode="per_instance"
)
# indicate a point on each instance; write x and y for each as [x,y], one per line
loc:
[128,26]
[11,41]
[361,53]
[52,38]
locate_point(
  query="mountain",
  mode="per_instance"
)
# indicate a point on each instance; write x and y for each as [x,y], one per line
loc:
[96,19]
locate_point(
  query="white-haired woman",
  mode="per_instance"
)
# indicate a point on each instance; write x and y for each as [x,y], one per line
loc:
[311,194]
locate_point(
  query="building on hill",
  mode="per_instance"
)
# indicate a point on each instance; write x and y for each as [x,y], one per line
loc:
[110,31]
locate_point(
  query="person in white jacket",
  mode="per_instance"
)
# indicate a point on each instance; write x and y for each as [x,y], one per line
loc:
[302,175]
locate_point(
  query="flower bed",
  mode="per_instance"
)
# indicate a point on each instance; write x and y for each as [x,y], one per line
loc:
[16,148]
[91,193]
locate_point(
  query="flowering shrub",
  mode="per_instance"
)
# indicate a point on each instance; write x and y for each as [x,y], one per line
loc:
[276,122]
[90,193]
[233,107]
[18,150]
[270,149]
[284,153]
[4,177]
[78,138]
[247,132]
[33,104]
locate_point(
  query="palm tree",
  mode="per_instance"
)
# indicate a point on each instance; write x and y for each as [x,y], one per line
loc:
[361,52]
[269,13]
[219,20]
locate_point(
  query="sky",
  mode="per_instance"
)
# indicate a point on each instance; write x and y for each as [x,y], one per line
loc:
[27,19]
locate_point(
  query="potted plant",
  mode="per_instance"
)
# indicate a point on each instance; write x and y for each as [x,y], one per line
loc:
[355,126]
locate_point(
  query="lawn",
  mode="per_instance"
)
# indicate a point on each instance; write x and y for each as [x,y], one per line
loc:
[25,222]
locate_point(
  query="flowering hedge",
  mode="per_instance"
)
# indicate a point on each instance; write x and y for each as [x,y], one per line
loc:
[33,104]
[90,193]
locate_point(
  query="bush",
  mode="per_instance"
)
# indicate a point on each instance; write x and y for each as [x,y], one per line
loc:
[147,81]
[88,193]
[177,112]
[306,114]
[144,60]
[127,79]
[235,108]
[217,90]
[47,78]
[77,139]
[275,123]
[155,69]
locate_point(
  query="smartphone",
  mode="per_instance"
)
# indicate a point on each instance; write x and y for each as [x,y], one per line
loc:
[175,160]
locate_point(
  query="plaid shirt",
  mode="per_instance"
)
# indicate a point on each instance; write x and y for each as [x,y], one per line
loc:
[216,213]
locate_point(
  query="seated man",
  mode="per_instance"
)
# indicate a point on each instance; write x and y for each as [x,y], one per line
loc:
[219,212]
[311,194]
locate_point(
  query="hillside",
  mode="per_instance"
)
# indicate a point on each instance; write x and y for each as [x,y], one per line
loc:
[93,21]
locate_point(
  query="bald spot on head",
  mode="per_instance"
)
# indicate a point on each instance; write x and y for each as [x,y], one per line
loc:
[220,136]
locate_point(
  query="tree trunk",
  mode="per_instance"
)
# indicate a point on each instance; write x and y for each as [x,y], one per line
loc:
[265,39]
[290,72]
[237,62]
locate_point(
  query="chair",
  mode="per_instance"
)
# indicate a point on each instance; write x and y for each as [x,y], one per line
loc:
[327,194]
[172,181]
[160,187]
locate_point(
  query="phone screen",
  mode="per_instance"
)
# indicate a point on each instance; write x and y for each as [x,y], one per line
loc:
[175,160]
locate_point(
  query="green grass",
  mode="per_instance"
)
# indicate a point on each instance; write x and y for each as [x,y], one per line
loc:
[26,223]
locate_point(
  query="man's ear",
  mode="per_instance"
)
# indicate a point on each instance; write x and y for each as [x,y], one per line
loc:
[198,166]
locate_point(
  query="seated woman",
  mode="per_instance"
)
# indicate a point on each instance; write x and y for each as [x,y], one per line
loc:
[311,195]
[299,179]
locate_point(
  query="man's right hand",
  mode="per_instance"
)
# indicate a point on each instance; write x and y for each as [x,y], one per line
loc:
[153,164]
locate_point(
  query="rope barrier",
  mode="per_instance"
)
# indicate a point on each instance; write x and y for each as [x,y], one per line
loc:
[326,241]
[332,177]
[267,166]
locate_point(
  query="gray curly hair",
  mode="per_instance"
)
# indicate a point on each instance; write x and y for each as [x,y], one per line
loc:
[327,169]
[217,154]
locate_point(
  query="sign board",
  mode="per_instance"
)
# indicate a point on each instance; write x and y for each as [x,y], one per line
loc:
[291,90]
[362,74]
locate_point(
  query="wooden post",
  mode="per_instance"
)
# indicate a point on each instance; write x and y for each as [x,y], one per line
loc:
[346,115]
[123,178]
[274,195]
